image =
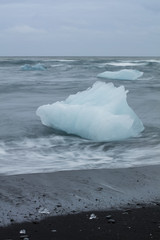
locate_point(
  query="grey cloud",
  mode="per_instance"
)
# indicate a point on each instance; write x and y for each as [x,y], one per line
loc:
[86,27]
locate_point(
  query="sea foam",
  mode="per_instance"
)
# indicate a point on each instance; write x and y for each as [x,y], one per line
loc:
[125,74]
[125,64]
[100,113]
[29,67]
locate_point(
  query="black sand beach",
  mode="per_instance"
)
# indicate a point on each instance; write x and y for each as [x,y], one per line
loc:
[124,203]
[142,223]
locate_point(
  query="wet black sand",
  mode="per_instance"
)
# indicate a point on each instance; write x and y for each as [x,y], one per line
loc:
[59,205]
[141,224]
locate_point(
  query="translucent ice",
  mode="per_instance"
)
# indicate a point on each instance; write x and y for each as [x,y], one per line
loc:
[38,66]
[92,216]
[22,231]
[125,74]
[44,210]
[100,113]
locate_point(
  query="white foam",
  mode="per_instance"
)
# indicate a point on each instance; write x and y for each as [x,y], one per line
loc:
[153,61]
[147,61]
[125,74]
[100,113]
[57,65]
[65,60]
[125,64]
[29,67]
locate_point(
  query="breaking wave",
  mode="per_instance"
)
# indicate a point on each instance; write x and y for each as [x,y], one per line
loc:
[125,64]
[152,61]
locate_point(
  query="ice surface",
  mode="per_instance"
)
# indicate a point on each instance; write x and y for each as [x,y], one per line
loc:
[29,67]
[22,231]
[100,113]
[44,210]
[125,74]
[92,216]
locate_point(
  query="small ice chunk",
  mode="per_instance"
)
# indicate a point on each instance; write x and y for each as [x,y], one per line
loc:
[125,74]
[92,216]
[44,210]
[22,231]
[36,67]
[111,221]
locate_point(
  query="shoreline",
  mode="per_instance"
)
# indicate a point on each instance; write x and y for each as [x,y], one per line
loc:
[33,197]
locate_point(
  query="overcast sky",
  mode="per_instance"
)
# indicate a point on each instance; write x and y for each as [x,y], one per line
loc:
[80,27]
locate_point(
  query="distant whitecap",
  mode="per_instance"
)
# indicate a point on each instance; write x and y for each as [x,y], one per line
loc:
[125,64]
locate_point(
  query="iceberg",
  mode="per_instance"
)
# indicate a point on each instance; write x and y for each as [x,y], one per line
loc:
[125,74]
[100,113]
[29,67]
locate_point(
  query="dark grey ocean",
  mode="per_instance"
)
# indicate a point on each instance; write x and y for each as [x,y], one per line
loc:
[27,146]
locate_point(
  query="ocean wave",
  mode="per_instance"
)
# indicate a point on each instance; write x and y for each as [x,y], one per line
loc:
[125,74]
[14,62]
[100,113]
[152,61]
[59,153]
[147,61]
[65,60]
[55,60]
[50,154]
[128,63]
[29,67]
[125,64]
